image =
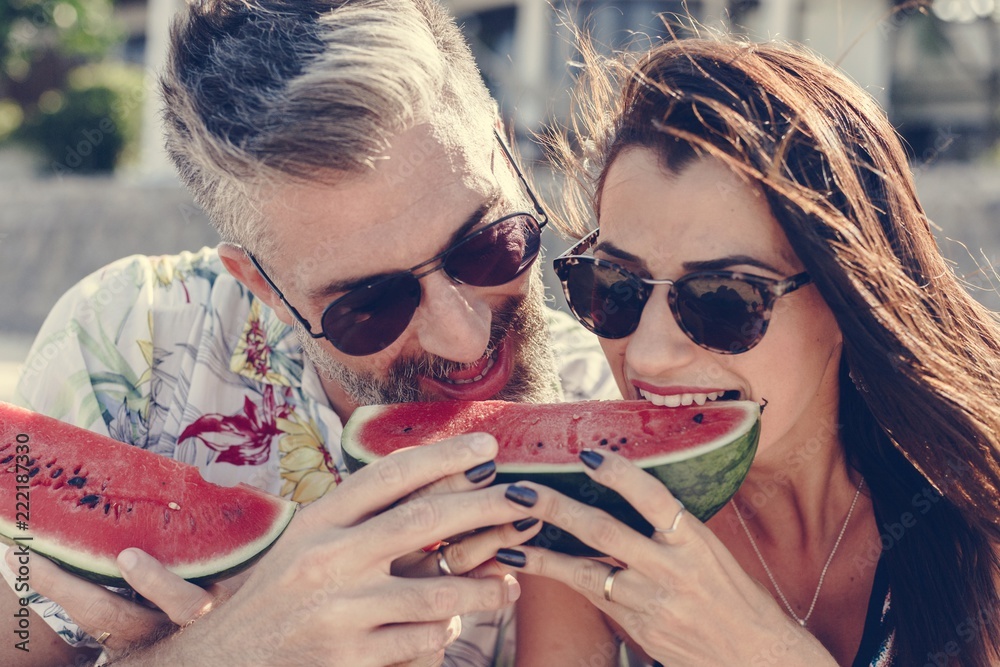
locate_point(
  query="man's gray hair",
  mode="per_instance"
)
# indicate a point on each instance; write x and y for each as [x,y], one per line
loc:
[257,91]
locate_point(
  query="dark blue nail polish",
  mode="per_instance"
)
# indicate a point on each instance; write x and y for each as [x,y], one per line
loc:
[480,472]
[521,495]
[511,557]
[591,459]
[525,524]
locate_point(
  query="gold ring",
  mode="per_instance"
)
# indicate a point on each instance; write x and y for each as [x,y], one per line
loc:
[609,582]
[443,566]
[103,638]
[677,521]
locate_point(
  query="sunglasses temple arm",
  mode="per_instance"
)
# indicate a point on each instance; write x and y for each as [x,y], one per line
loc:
[274,288]
[524,181]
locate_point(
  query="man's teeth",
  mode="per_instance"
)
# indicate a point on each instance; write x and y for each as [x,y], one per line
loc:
[677,400]
[489,364]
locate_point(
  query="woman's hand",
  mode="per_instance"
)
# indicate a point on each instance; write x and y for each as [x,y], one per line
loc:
[470,553]
[682,596]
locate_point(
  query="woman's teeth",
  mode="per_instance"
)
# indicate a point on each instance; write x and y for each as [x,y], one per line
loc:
[678,400]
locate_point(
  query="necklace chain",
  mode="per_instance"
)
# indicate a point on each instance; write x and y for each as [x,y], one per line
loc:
[822,575]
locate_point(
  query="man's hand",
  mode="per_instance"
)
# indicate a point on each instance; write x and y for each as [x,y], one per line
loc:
[128,624]
[325,593]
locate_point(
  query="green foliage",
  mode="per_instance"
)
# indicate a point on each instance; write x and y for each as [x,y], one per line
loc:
[86,127]
[80,117]
[72,28]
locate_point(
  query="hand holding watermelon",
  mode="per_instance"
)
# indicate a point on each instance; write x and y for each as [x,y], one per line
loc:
[326,588]
[673,581]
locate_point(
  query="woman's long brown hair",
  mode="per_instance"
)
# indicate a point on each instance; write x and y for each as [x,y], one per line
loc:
[920,377]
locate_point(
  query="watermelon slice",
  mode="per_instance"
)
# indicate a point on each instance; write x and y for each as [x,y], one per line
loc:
[701,453]
[79,498]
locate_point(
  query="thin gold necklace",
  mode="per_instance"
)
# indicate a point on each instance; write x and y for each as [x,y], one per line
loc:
[822,575]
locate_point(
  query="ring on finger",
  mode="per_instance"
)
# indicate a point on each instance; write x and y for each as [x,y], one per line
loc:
[676,521]
[103,637]
[442,562]
[609,582]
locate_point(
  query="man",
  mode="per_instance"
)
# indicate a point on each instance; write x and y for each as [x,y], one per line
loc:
[379,246]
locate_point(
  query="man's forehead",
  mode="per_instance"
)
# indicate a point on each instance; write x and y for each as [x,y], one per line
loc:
[428,183]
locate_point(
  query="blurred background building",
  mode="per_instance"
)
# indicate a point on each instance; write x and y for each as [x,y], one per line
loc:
[83,177]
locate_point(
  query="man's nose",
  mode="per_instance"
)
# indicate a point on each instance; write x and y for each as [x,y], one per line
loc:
[453,321]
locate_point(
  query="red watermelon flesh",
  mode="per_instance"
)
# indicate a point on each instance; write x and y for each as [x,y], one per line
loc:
[701,453]
[85,497]
[532,435]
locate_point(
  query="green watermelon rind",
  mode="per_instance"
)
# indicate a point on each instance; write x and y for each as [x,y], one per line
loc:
[103,570]
[704,477]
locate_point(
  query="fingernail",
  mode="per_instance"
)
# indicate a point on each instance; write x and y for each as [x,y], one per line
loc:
[480,472]
[482,443]
[513,588]
[521,495]
[591,459]
[525,524]
[127,560]
[512,557]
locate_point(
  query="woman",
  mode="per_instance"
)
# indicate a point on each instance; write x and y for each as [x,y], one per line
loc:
[866,532]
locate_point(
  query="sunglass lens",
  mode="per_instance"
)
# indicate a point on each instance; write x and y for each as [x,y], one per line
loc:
[722,314]
[368,319]
[604,300]
[497,254]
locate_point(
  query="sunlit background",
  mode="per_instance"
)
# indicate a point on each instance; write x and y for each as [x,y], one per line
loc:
[83,178]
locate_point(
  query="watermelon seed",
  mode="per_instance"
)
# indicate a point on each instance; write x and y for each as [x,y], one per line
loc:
[107,508]
[604,442]
[541,444]
[407,429]
[33,472]
[173,506]
[615,448]
[623,440]
[56,472]
[8,459]
[698,418]
[49,464]
[90,500]
[31,462]
[78,482]
[76,471]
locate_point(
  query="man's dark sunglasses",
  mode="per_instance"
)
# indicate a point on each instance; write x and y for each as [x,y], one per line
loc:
[370,317]
[722,311]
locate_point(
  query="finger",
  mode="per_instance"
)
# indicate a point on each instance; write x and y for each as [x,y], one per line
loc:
[467,554]
[628,588]
[475,477]
[593,526]
[379,485]
[433,518]
[437,599]
[646,493]
[182,601]
[415,643]
[471,552]
[96,609]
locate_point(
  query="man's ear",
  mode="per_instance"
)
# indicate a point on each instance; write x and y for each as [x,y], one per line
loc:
[235,259]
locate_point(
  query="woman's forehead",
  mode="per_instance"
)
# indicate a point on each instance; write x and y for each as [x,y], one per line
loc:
[703,212]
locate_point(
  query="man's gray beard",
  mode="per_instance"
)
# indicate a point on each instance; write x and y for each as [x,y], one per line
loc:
[519,323]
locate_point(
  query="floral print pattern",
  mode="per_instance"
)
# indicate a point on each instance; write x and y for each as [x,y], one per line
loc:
[174,355]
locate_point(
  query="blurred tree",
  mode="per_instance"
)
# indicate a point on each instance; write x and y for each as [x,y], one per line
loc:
[47,99]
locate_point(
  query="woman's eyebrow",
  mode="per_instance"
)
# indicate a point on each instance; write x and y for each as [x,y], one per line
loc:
[716,264]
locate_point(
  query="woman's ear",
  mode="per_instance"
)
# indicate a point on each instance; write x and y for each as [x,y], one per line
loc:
[238,263]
